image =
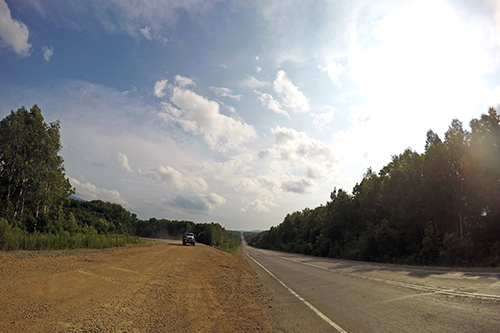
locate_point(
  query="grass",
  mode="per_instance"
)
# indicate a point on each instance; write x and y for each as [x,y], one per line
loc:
[230,248]
[13,239]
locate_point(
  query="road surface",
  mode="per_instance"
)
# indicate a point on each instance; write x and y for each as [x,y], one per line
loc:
[324,295]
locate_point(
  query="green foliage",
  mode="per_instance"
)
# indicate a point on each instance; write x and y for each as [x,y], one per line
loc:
[35,210]
[438,208]
[212,234]
[32,179]
[154,228]
[105,217]
[249,235]
[17,239]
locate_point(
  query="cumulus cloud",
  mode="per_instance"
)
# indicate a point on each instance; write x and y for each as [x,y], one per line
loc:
[48,52]
[200,116]
[269,102]
[160,88]
[89,191]
[313,156]
[123,160]
[214,199]
[300,186]
[290,95]
[198,204]
[169,175]
[13,33]
[259,205]
[225,92]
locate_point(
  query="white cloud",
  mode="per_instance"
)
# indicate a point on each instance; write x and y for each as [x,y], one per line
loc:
[287,29]
[48,52]
[201,116]
[290,95]
[13,33]
[333,69]
[123,160]
[89,191]
[225,92]
[169,175]
[259,205]
[253,83]
[160,87]
[231,109]
[196,204]
[300,186]
[494,5]
[214,199]
[321,120]
[294,165]
[184,81]
[269,102]
[313,157]
[146,32]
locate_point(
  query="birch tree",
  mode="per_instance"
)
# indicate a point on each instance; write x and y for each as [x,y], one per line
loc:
[32,178]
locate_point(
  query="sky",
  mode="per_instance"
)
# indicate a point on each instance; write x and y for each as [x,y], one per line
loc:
[240,112]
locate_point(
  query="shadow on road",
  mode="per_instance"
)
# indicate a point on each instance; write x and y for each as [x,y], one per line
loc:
[412,271]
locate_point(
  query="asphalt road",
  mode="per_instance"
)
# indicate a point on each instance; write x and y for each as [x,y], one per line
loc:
[309,294]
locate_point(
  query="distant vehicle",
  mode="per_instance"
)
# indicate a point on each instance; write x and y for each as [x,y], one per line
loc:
[188,237]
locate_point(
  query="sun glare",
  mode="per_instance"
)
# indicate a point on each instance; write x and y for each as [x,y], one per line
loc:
[417,52]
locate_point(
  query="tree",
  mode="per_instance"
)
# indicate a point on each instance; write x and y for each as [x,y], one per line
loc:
[32,178]
[456,143]
[438,194]
[485,169]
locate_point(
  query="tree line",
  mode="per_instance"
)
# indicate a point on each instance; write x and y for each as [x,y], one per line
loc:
[441,207]
[212,234]
[36,211]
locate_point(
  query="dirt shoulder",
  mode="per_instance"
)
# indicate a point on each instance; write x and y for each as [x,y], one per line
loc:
[164,287]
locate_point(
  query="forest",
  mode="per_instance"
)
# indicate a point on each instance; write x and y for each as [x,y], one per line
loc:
[212,234]
[441,207]
[37,213]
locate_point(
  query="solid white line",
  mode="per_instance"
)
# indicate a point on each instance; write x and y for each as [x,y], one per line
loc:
[319,313]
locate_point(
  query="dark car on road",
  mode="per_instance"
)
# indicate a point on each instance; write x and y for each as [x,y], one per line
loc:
[188,238]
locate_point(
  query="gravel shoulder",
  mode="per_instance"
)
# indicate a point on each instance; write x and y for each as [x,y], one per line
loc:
[164,287]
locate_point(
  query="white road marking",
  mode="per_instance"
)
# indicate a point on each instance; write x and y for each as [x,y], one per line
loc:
[435,290]
[319,313]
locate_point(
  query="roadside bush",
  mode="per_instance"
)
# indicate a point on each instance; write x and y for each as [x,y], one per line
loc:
[4,230]
[13,239]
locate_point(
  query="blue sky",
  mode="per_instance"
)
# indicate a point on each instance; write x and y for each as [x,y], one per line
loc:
[240,112]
